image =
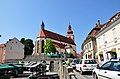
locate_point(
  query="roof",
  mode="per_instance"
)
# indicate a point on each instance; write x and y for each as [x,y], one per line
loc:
[59,45]
[2,45]
[55,36]
[109,22]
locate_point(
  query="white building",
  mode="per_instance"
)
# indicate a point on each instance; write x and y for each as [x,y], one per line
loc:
[89,44]
[14,49]
[108,40]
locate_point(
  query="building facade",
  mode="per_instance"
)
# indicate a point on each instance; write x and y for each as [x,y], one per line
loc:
[108,40]
[89,44]
[62,43]
[2,53]
[12,50]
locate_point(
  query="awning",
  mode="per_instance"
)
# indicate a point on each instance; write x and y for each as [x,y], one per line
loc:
[113,50]
[48,54]
[101,52]
[55,55]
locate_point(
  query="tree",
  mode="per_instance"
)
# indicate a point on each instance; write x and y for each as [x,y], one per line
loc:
[28,49]
[49,47]
[71,55]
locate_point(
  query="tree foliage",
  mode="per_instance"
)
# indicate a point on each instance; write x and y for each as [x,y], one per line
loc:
[49,47]
[28,49]
[71,55]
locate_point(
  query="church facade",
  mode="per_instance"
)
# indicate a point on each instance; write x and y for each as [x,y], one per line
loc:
[62,43]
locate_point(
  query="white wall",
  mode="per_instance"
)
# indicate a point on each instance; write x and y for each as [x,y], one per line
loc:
[109,35]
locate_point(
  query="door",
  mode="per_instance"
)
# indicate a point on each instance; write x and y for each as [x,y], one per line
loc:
[104,71]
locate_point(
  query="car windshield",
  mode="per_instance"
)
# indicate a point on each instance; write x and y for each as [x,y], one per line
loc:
[116,66]
[90,62]
[76,61]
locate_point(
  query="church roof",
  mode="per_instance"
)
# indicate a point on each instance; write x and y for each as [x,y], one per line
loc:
[59,45]
[55,36]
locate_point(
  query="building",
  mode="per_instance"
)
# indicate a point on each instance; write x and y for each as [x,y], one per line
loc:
[89,44]
[62,43]
[2,53]
[12,50]
[108,40]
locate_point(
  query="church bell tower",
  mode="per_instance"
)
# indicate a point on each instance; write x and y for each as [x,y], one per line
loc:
[70,33]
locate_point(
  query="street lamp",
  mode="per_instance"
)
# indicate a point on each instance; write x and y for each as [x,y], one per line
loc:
[0,35]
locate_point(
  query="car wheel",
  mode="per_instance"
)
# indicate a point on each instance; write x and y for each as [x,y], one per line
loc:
[95,76]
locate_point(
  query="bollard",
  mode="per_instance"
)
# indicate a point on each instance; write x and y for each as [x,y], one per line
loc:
[70,69]
[72,75]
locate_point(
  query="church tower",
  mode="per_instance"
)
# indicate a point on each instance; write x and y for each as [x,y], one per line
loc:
[70,33]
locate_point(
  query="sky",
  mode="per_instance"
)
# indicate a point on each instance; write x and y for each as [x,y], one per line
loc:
[22,18]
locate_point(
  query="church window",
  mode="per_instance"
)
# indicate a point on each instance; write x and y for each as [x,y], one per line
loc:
[42,49]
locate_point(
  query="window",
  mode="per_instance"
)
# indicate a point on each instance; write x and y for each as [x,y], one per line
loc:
[101,57]
[116,66]
[87,46]
[104,39]
[90,45]
[114,33]
[90,62]
[81,62]
[99,43]
[113,55]
[11,48]
[106,66]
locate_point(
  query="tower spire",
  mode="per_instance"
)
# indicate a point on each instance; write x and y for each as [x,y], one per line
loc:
[42,25]
[70,32]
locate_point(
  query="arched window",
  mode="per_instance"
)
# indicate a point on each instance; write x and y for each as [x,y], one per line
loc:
[42,46]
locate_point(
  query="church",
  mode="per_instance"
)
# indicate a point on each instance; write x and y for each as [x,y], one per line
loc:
[62,43]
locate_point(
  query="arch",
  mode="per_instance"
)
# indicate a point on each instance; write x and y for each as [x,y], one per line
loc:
[42,46]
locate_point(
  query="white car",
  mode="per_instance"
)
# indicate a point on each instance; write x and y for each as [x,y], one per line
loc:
[86,65]
[109,70]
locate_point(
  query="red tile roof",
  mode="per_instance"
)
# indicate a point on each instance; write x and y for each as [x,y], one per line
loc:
[55,36]
[59,45]
[2,45]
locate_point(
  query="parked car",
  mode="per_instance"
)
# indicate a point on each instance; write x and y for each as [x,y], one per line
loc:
[73,63]
[32,66]
[109,70]
[86,65]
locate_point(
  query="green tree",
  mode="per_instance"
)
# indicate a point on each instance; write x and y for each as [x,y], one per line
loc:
[49,47]
[71,55]
[28,49]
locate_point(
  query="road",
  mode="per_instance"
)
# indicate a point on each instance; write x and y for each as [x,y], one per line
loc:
[85,76]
